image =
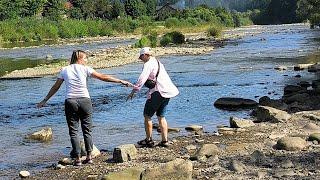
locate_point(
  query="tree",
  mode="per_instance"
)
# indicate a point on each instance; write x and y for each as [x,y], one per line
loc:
[118,9]
[150,6]
[32,7]
[54,9]
[135,8]
[10,9]
[309,9]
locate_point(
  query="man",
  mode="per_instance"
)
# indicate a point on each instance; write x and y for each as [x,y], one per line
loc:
[157,98]
[78,106]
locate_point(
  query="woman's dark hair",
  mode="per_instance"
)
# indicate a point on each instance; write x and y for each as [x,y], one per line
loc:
[75,56]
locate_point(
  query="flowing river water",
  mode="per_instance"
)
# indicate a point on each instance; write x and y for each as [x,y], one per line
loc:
[243,68]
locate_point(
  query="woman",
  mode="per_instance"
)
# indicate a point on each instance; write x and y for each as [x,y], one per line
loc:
[78,106]
[157,98]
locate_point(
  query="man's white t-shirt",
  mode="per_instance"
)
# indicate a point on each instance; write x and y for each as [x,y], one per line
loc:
[75,77]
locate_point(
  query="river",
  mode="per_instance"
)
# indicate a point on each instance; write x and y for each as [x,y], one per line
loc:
[242,68]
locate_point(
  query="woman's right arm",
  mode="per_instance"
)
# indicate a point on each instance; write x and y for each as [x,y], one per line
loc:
[108,78]
[52,91]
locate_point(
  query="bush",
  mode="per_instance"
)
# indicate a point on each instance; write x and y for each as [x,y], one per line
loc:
[172,22]
[172,37]
[214,31]
[153,37]
[143,42]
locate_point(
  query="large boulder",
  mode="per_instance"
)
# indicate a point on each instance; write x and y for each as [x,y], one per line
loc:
[43,135]
[265,113]
[291,144]
[234,103]
[94,153]
[124,153]
[300,98]
[173,170]
[275,103]
[130,173]
[240,123]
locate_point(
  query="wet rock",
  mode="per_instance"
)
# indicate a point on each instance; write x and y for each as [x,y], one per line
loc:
[314,137]
[311,128]
[275,103]
[240,123]
[24,174]
[298,76]
[314,68]
[130,173]
[194,128]
[291,144]
[300,67]
[269,114]
[292,89]
[315,83]
[173,170]
[59,166]
[124,153]
[281,68]
[237,166]
[304,84]
[43,135]
[175,130]
[234,103]
[300,98]
[66,161]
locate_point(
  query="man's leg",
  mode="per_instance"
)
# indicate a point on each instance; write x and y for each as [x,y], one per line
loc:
[164,128]
[148,127]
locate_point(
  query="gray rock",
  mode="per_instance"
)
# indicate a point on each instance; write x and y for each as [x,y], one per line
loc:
[49,57]
[59,166]
[240,123]
[173,170]
[275,103]
[281,68]
[292,89]
[124,153]
[213,160]
[230,131]
[304,84]
[237,166]
[265,113]
[194,128]
[93,177]
[283,173]
[43,135]
[234,103]
[191,147]
[24,174]
[175,130]
[314,68]
[258,158]
[314,137]
[66,161]
[300,98]
[130,173]
[291,143]
[207,150]
[287,164]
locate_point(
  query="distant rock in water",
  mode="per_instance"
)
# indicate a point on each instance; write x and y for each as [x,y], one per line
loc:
[43,135]
[234,103]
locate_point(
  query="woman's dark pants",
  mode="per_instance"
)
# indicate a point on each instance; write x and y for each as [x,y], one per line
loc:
[79,110]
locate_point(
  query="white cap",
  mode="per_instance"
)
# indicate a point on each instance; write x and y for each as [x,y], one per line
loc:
[145,50]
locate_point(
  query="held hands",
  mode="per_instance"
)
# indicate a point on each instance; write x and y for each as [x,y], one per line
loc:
[126,83]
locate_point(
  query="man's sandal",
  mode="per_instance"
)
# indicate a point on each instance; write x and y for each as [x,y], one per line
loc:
[164,144]
[146,143]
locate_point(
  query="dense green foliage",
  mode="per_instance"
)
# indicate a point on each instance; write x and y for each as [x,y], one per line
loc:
[174,37]
[310,9]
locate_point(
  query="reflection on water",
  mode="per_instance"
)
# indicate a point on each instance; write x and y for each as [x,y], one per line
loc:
[241,69]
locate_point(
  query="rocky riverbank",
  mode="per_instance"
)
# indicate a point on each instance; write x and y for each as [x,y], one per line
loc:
[197,43]
[280,140]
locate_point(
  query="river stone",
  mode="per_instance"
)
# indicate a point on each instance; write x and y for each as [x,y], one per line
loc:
[258,158]
[311,128]
[173,170]
[283,173]
[314,68]
[43,135]
[287,164]
[281,68]
[275,103]
[314,137]
[24,174]
[301,98]
[291,143]
[240,123]
[234,103]
[206,150]
[130,173]
[300,67]
[124,153]
[237,166]
[265,113]
[194,128]
[191,147]
[230,131]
